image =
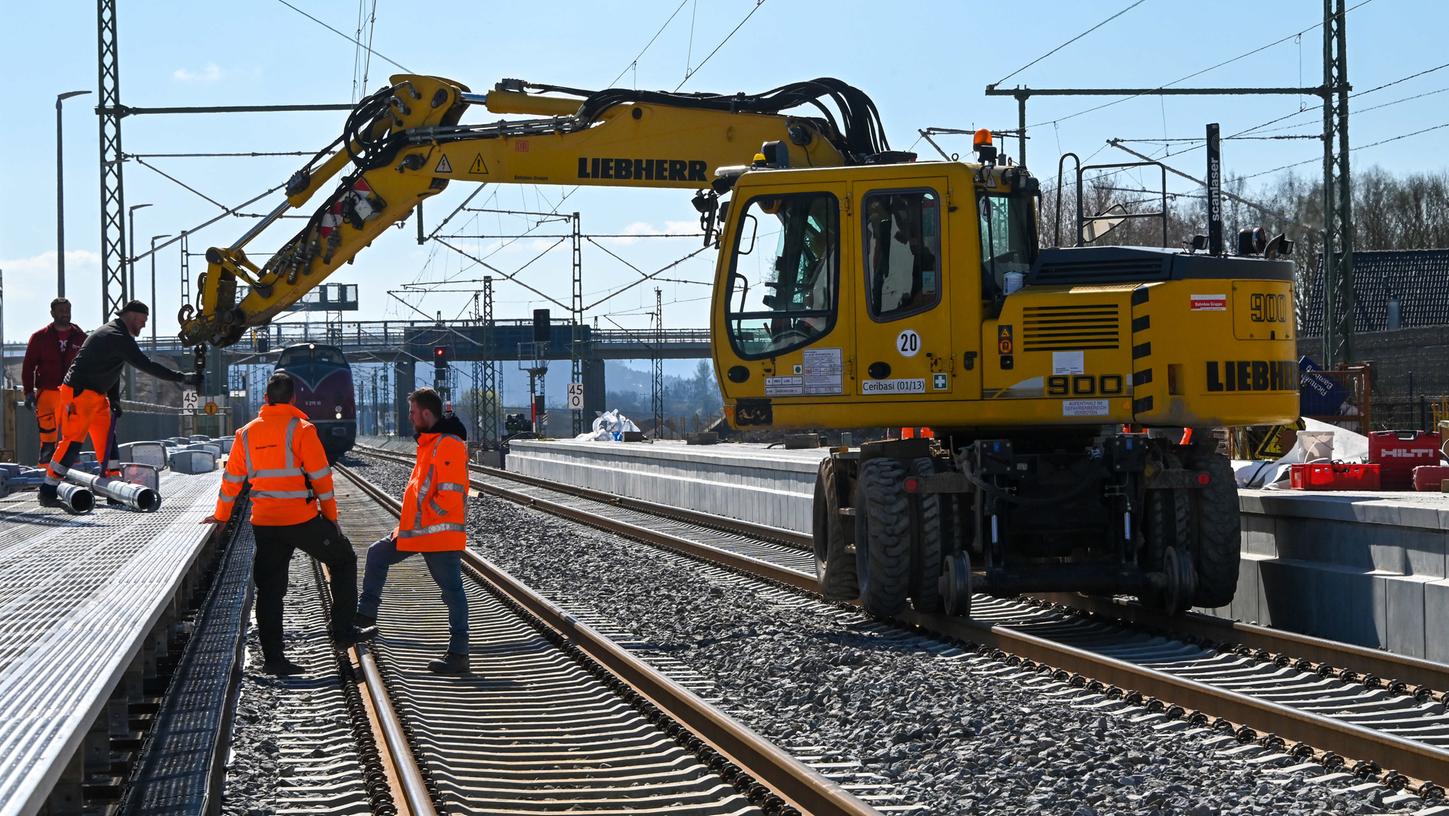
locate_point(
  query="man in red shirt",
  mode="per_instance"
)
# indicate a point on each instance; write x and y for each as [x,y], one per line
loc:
[47,357]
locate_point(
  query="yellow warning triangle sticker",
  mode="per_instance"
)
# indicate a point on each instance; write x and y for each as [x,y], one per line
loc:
[478,168]
[444,166]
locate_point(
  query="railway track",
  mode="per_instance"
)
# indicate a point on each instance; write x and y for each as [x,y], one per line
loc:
[1377,716]
[558,718]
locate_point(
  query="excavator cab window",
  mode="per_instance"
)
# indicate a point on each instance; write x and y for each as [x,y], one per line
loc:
[782,300]
[902,252]
[1008,241]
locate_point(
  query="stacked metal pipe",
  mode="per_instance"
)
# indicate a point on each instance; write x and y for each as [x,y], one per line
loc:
[75,499]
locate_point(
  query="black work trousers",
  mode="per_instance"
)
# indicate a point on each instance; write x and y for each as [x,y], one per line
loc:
[318,538]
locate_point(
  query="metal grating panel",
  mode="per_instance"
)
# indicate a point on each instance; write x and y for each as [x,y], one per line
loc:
[177,774]
[1069,328]
[78,595]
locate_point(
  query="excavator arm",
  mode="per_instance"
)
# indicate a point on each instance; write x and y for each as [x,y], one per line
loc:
[406,142]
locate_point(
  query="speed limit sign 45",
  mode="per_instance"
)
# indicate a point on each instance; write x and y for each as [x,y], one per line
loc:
[576,396]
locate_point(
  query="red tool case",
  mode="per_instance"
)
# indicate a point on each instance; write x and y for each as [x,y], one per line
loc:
[1333,476]
[1397,453]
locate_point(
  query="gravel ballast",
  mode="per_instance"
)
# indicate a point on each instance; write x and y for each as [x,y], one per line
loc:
[292,744]
[956,732]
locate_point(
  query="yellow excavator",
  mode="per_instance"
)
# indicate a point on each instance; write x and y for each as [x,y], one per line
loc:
[1066,397]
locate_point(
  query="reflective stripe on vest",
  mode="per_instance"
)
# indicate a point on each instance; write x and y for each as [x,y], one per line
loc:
[324,496]
[282,494]
[288,469]
[233,478]
[445,527]
[452,487]
[317,474]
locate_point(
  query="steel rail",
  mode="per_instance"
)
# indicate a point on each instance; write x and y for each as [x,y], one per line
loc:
[1386,667]
[409,776]
[1409,757]
[791,780]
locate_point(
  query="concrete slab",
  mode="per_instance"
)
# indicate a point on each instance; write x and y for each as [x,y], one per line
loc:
[1436,621]
[193,461]
[146,453]
[1406,623]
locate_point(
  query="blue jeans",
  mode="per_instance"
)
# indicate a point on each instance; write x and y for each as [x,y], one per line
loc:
[447,571]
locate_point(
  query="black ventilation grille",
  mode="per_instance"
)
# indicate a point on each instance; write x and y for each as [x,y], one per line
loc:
[1116,270]
[1070,328]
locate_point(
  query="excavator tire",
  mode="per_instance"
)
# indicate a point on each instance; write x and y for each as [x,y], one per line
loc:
[834,564]
[926,573]
[1219,531]
[882,537]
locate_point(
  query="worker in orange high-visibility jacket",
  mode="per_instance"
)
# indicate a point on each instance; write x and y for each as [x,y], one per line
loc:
[432,523]
[293,507]
[91,395]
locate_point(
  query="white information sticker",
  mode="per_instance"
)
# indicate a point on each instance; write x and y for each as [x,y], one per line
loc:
[820,371]
[903,385]
[908,343]
[784,386]
[1069,362]
[1208,303]
[1085,408]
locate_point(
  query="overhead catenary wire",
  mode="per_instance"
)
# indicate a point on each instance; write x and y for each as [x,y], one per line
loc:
[691,72]
[1069,41]
[1353,149]
[1197,73]
[352,40]
[634,62]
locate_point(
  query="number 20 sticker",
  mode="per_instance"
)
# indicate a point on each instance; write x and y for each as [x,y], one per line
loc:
[908,343]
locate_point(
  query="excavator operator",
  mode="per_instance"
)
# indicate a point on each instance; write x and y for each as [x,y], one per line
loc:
[92,394]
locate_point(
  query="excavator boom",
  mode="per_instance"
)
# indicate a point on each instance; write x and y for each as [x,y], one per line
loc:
[406,142]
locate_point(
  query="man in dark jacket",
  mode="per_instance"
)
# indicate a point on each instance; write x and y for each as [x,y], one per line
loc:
[92,390]
[47,357]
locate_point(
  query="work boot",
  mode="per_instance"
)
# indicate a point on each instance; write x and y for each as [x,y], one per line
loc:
[450,663]
[281,667]
[350,635]
[48,496]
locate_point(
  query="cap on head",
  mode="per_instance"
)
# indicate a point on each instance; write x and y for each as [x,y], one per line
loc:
[135,306]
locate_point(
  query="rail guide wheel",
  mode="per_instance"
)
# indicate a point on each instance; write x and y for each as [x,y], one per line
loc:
[955,584]
[834,562]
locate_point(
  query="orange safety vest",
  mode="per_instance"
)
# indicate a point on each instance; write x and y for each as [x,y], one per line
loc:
[437,493]
[280,454]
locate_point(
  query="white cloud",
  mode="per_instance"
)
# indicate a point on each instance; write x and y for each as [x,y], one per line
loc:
[30,285]
[211,73]
[644,228]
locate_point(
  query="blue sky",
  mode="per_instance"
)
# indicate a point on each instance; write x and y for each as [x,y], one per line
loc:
[924,63]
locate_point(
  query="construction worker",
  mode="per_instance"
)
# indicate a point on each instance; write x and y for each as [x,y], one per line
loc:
[92,393]
[431,524]
[293,508]
[48,356]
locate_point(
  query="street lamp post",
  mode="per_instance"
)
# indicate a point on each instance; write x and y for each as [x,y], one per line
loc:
[128,280]
[154,239]
[60,196]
